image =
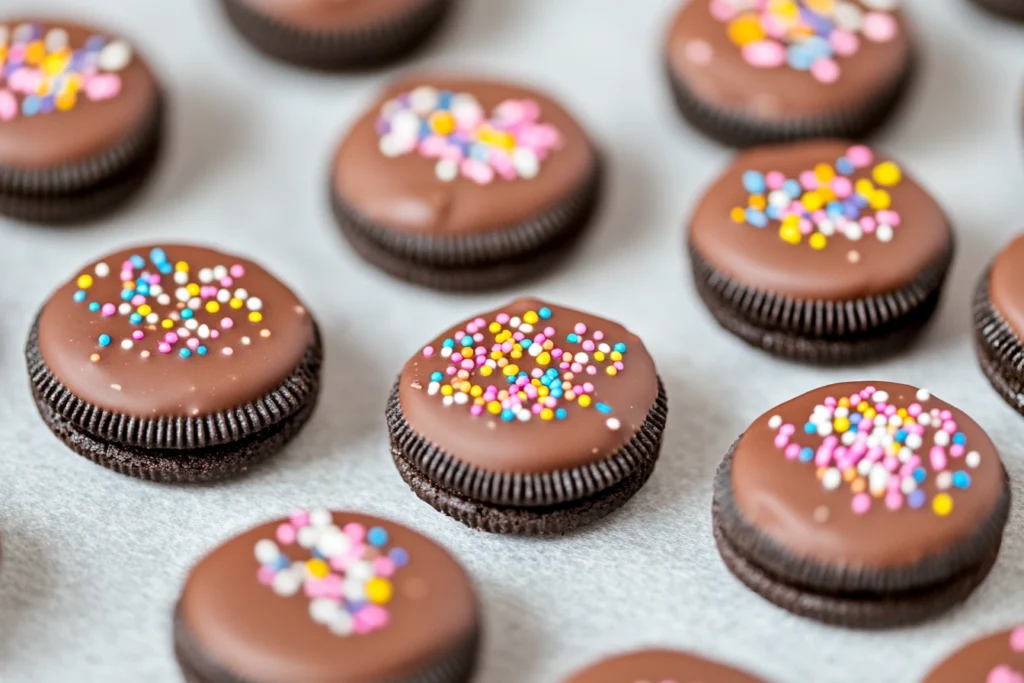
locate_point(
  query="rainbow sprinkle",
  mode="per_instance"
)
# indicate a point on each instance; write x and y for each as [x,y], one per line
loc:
[50,76]
[825,201]
[876,449]
[347,576]
[452,128]
[505,347]
[171,308]
[806,35]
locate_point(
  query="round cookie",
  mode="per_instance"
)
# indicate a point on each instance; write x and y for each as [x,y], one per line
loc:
[459,183]
[327,597]
[81,120]
[576,438]
[999,658]
[864,527]
[659,666]
[335,36]
[174,363]
[1010,9]
[998,309]
[823,252]
[749,72]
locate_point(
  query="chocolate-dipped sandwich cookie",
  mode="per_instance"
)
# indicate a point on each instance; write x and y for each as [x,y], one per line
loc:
[335,36]
[174,363]
[999,323]
[823,252]
[749,72]
[331,597]
[459,183]
[863,504]
[532,419]
[659,666]
[81,119]
[1011,9]
[998,658]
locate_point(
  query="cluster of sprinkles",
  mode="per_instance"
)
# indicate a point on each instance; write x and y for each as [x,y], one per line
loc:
[805,35]
[882,452]
[347,576]
[487,367]
[825,201]
[171,308]
[1005,673]
[453,128]
[50,76]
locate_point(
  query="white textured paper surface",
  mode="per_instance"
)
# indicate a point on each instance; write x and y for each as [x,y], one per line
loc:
[92,561]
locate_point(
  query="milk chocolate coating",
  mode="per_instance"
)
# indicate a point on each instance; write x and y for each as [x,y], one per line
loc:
[782,497]
[261,637]
[324,16]
[975,662]
[1006,290]
[48,140]
[404,193]
[657,666]
[165,385]
[490,444]
[728,82]
[759,258]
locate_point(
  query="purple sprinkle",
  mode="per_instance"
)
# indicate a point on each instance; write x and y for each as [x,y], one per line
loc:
[383,126]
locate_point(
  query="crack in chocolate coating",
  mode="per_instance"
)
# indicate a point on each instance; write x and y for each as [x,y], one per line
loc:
[977,660]
[765,503]
[659,666]
[227,622]
[312,41]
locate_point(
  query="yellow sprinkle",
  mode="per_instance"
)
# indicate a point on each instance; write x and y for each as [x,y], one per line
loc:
[494,407]
[611,371]
[547,414]
[844,402]
[476,390]
[66,101]
[192,289]
[379,591]
[479,401]
[144,309]
[35,52]
[510,370]
[494,328]
[485,371]
[841,424]
[236,303]
[318,568]
[167,323]
[943,504]
[870,414]
[865,187]
[495,355]
[517,353]
[55,63]
[902,412]
[790,233]
[824,173]
[255,317]
[84,281]
[543,391]
[738,215]
[584,401]
[213,307]
[757,201]
[447,390]
[531,317]
[464,387]
[181,267]
[443,123]
[826,194]
[880,200]
[599,356]
[745,29]
[543,358]
[812,201]
[615,356]
[466,352]
[887,174]
[818,241]
[862,406]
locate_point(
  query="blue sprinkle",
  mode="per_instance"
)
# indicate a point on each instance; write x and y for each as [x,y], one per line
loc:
[845,166]
[792,188]
[526,343]
[856,418]
[135,318]
[377,536]
[817,47]
[448,343]
[961,480]
[756,217]
[603,408]
[317,555]
[552,372]
[798,57]
[280,562]
[94,306]
[184,353]
[201,350]
[916,499]
[851,211]
[959,438]
[127,294]
[165,268]
[137,261]
[620,347]
[754,183]
[920,475]
[544,313]
[436,376]
[810,428]
[834,209]
[355,606]
[556,392]
[859,201]
[187,313]
[772,212]
[507,415]
[104,340]
[901,436]
[479,152]
[95,43]
[47,104]
[399,557]
[79,296]
[444,100]
[806,454]
[511,380]
[31,105]
[143,288]
[157,256]
[425,129]
[561,414]
[572,338]
[467,341]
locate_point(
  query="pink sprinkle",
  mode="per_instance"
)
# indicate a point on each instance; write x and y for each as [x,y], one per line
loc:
[914,410]
[171,338]
[860,156]
[781,441]
[580,328]
[591,370]
[844,43]
[557,353]
[1017,639]
[787,430]
[722,10]
[468,364]
[237,271]
[893,500]
[300,519]
[764,54]
[138,334]
[519,336]
[949,426]
[228,323]
[842,187]
[946,415]
[355,531]
[588,345]
[138,300]
[588,388]
[214,334]
[265,575]
[108,310]
[830,402]
[775,180]
[163,347]
[226,281]
[808,180]
[103,87]
[427,352]
[537,407]
[384,567]
[459,335]
[937,455]
[868,224]
[879,27]
[192,343]
[825,70]
[891,463]
[956,450]
[502,318]
[888,217]
[619,365]
[823,457]
[286,534]
[8,105]
[861,503]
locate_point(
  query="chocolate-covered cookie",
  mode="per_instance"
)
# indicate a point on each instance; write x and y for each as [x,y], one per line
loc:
[174,363]
[999,658]
[863,504]
[532,419]
[824,252]
[457,183]
[80,120]
[999,323]
[659,666]
[749,72]
[330,597]
[1011,9]
[333,35]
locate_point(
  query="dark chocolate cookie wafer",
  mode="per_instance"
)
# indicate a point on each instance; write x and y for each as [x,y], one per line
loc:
[457,184]
[749,73]
[174,363]
[332,35]
[998,658]
[865,505]
[81,120]
[823,252]
[328,596]
[659,666]
[999,324]
[1011,9]
[531,419]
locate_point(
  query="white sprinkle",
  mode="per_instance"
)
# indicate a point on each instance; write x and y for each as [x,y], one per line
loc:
[203,331]
[581,358]
[206,276]
[446,352]
[181,294]
[220,272]
[514,323]
[423,99]
[286,584]
[842,412]
[433,388]
[526,163]
[102,270]
[223,296]
[164,299]
[323,610]
[191,324]
[354,590]
[896,421]
[973,459]
[923,395]
[461,398]
[604,348]
[308,536]
[848,16]
[152,318]
[535,350]
[155,290]
[360,570]
[342,624]
[446,170]
[864,467]
[779,199]
[254,303]
[853,231]
[775,422]
[241,293]
[246,341]
[56,40]
[941,438]
[195,303]
[125,308]
[908,486]
[523,416]
[904,454]
[848,438]
[884,233]
[613,424]
[127,344]
[880,397]
[391,146]
[914,441]
[526,328]
[320,517]
[825,429]
[181,277]
[832,479]
[447,401]
[878,479]
[333,541]
[944,480]
[115,56]
[266,551]
[827,228]
[924,419]
[115,387]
